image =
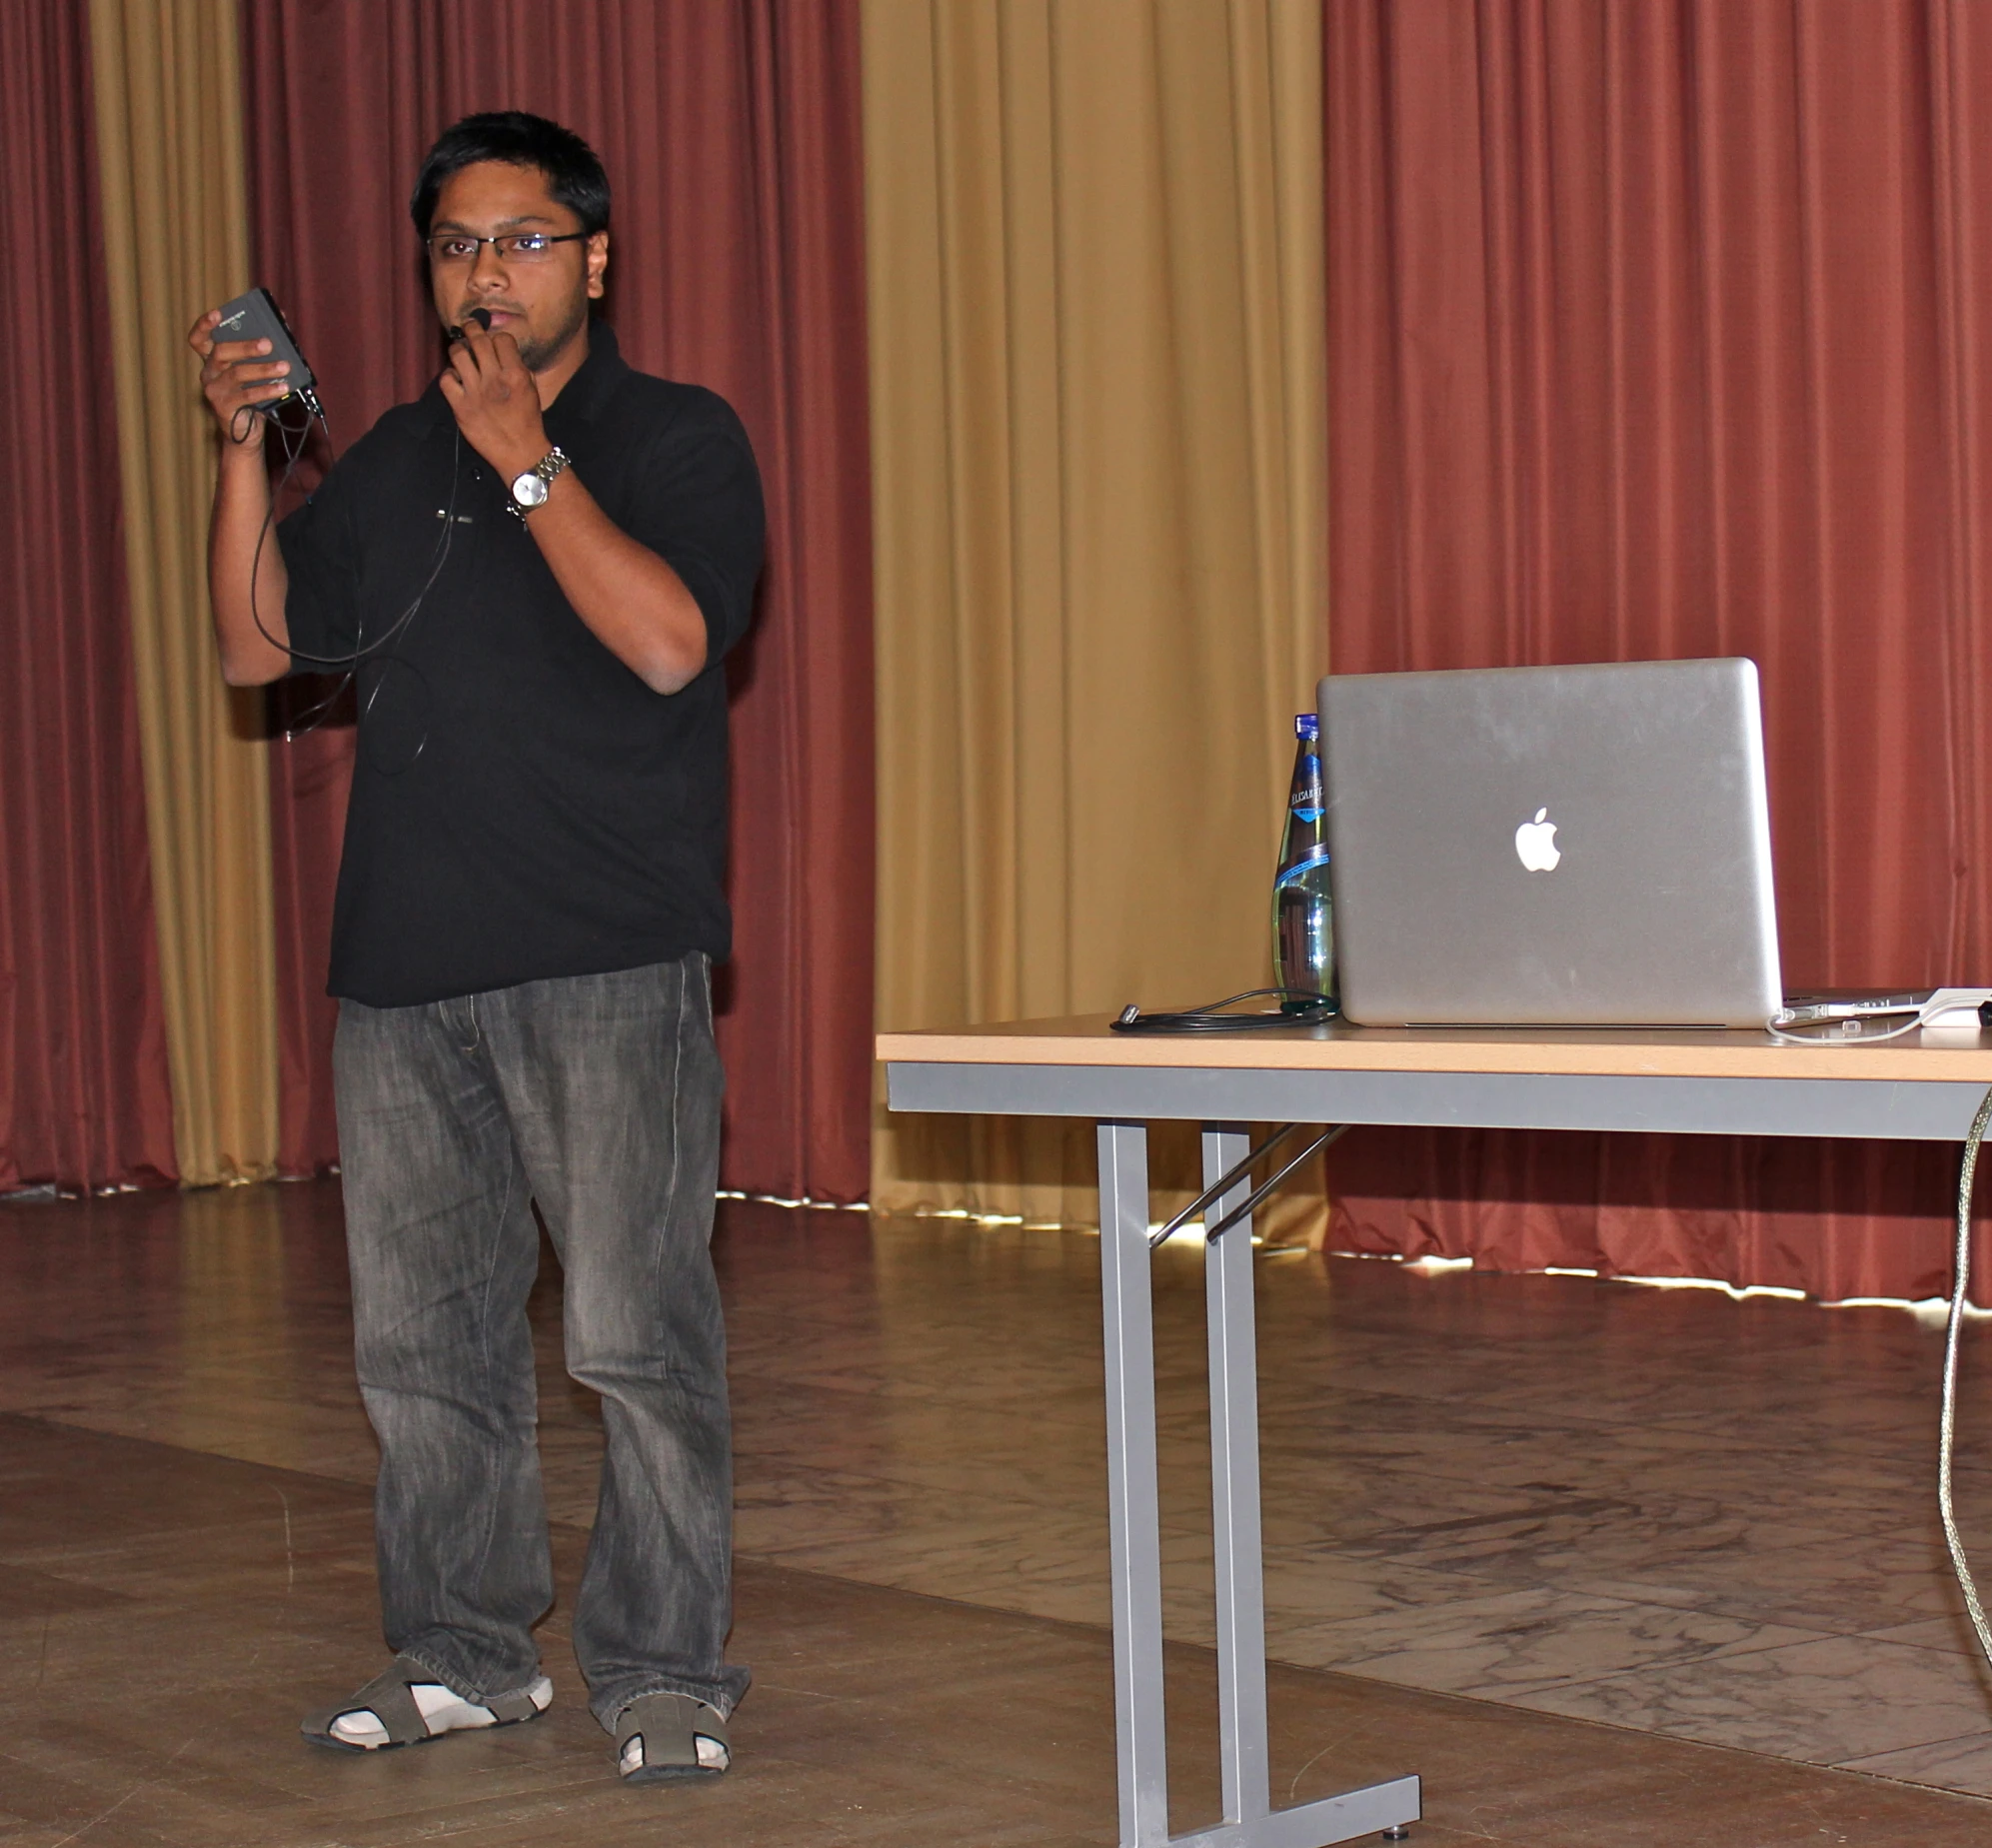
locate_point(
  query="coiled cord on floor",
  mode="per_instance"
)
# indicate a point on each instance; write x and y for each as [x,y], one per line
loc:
[1953,1327]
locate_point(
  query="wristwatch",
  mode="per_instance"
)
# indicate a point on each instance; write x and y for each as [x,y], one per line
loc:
[530,490]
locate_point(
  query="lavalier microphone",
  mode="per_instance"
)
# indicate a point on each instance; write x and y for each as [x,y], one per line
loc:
[482,316]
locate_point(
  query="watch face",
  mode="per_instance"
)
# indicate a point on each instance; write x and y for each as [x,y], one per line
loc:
[529,490]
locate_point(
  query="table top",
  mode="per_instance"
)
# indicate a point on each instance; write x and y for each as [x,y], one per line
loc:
[1947,1056]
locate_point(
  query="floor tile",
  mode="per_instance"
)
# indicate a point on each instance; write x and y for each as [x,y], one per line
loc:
[1825,1702]
[1506,1644]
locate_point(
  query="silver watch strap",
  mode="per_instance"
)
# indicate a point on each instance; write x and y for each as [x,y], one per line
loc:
[548,469]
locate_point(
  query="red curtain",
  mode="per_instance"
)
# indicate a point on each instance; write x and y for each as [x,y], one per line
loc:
[84,1092]
[732,138]
[1663,331]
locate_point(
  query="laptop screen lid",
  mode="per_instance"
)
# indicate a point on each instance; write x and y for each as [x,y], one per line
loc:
[1559,847]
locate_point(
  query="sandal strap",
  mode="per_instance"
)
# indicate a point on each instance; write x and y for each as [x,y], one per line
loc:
[508,1709]
[672,1726]
[387,1699]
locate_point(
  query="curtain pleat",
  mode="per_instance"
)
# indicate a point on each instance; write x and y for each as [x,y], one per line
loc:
[1094,248]
[1662,331]
[730,135]
[170,174]
[85,1098]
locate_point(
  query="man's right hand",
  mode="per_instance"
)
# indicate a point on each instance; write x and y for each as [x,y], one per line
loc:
[236,379]
[247,582]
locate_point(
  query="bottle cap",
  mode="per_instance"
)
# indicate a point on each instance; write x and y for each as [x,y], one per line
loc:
[1306,725]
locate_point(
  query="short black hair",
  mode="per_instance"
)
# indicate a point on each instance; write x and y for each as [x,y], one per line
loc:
[574,170]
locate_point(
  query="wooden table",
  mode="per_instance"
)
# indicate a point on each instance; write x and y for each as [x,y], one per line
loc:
[1694,1082]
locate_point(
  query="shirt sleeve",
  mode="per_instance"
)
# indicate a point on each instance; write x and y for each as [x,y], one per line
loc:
[698,506]
[321,559]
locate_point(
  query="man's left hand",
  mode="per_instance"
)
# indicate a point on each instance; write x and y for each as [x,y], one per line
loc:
[495,401]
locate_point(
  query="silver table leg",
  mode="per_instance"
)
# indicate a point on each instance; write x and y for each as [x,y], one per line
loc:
[1235,1499]
[1135,1520]
[1134,1500]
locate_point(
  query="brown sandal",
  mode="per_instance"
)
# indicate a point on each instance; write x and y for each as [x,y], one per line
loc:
[389,1698]
[666,1730]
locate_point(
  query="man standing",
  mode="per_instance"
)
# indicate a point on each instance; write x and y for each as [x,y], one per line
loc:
[534,572]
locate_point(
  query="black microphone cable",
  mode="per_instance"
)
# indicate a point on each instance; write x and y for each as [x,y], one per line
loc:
[293,453]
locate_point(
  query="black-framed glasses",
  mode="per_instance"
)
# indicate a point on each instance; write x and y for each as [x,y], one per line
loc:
[512,246]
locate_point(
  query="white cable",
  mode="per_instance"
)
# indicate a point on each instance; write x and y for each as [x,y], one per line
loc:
[1835,1032]
[1943,1000]
[1947,1425]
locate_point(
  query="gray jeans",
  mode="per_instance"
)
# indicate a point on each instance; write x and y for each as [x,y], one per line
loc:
[599,1097]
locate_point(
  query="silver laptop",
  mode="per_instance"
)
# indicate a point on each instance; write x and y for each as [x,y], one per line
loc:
[1553,847]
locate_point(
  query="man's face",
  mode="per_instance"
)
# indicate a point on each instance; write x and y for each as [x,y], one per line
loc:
[542,302]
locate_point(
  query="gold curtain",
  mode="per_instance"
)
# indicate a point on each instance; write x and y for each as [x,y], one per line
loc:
[176,235]
[1097,335]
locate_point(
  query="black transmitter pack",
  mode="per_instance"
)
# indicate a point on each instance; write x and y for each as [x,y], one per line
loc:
[256,316]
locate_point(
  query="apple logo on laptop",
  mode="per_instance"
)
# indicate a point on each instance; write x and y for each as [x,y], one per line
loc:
[1535,844]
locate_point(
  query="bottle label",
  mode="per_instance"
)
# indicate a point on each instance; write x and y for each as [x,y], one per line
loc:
[1315,857]
[1305,802]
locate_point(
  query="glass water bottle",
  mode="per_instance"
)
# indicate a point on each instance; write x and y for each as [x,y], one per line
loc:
[1304,928]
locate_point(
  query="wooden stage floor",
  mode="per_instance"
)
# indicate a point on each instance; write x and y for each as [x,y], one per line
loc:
[186,1557]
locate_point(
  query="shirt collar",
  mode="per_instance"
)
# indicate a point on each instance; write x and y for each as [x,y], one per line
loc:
[589,392]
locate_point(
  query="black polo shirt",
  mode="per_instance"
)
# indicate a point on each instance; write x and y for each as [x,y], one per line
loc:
[523,806]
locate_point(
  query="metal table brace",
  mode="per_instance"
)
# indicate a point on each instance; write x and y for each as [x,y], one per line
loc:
[1134,1519]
